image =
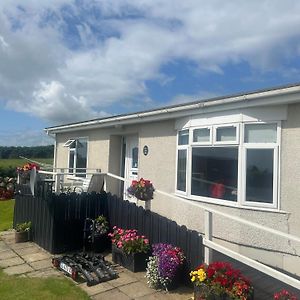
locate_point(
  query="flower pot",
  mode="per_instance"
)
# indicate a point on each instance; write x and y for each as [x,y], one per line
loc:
[135,262]
[203,292]
[174,283]
[21,237]
[101,243]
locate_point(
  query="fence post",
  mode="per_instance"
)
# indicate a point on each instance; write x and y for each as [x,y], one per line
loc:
[207,235]
[57,183]
[105,182]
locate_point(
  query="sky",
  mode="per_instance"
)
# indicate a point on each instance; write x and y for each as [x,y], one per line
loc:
[64,61]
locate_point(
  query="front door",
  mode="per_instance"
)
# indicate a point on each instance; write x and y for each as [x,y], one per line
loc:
[131,161]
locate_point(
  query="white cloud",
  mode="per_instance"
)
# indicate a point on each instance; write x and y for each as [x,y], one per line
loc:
[26,137]
[56,56]
[183,98]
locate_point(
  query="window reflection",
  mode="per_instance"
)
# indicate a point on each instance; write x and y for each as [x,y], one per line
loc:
[215,172]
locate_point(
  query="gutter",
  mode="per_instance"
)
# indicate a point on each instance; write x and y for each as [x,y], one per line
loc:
[271,97]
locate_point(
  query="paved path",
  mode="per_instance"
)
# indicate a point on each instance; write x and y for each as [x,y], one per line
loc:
[30,260]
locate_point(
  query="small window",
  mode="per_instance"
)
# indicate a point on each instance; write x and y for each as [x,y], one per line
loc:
[135,161]
[181,170]
[77,156]
[261,133]
[226,134]
[70,143]
[71,161]
[201,135]
[183,137]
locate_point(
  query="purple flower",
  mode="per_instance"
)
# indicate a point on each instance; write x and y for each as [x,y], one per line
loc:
[170,258]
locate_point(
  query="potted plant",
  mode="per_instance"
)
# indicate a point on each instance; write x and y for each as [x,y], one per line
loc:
[24,172]
[219,280]
[98,230]
[284,295]
[141,189]
[129,249]
[22,232]
[164,267]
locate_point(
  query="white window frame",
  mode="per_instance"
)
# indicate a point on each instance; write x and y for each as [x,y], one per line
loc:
[276,149]
[241,180]
[73,149]
[209,199]
[183,147]
[233,142]
[202,143]
[68,143]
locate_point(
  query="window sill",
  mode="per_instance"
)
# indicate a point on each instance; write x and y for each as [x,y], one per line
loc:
[229,204]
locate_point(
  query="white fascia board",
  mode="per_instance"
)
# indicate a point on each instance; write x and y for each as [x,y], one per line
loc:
[273,97]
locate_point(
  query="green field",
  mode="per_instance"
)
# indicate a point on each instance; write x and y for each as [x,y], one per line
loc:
[19,162]
[22,288]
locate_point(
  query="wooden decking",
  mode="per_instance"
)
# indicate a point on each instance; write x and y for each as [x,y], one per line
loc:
[264,285]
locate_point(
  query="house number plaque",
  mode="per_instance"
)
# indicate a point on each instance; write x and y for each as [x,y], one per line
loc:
[146,150]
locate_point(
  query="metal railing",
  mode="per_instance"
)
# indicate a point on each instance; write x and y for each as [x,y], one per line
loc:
[210,245]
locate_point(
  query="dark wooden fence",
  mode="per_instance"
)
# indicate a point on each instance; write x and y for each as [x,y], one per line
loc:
[157,228]
[58,221]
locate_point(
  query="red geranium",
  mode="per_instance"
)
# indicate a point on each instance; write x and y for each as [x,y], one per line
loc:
[222,279]
[141,189]
[284,295]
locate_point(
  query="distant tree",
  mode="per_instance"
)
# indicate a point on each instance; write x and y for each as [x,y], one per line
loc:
[29,152]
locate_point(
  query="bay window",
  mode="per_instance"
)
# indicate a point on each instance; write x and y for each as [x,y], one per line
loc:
[232,163]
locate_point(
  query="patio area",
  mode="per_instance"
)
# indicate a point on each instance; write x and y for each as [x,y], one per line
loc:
[30,260]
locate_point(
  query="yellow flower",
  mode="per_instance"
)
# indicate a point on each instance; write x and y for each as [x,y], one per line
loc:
[193,278]
[201,275]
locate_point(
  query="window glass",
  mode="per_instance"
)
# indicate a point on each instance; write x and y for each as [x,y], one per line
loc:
[215,172]
[201,135]
[226,134]
[81,156]
[68,143]
[181,170]
[183,137]
[261,133]
[259,177]
[71,161]
[135,151]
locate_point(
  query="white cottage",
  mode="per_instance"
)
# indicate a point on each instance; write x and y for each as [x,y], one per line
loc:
[235,154]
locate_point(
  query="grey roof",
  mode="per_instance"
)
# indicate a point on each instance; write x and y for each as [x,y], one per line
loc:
[183,104]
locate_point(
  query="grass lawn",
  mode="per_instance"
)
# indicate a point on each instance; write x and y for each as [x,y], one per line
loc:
[22,288]
[6,214]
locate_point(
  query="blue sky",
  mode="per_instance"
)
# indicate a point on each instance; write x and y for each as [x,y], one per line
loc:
[63,61]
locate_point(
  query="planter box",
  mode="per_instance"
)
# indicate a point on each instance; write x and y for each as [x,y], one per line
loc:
[203,292]
[134,262]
